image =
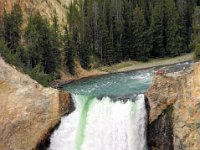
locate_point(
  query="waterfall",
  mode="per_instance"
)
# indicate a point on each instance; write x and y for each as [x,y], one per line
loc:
[102,125]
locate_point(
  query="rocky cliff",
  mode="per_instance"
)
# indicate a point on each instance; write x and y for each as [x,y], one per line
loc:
[47,8]
[28,111]
[174,111]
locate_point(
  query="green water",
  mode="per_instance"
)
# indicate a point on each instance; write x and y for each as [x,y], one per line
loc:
[114,85]
[82,121]
[120,85]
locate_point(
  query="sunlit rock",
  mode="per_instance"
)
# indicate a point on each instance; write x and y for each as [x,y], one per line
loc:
[28,111]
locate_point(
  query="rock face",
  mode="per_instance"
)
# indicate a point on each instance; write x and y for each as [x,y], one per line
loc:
[160,132]
[28,111]
[47,8]
[179,129]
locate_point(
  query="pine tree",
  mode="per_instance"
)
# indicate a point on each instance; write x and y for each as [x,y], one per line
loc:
[117,28]
[109,51]
[165,29]
[157,30]
[74,24]
[43,46]
[126,36]
[103,32]
[12,27]
[70,53]
[139,34]
[145,7]
[172,28]
[186,9]
[95,27]
[86,35]
[195,42]
[1,29]
[55,25]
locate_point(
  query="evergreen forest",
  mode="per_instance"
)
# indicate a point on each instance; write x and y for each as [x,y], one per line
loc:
[99,32]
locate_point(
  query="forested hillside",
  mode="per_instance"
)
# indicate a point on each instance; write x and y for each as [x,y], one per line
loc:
[116,30]
[36,49]
[98,32]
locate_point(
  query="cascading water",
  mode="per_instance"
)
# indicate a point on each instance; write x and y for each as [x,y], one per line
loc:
[116,120]
[102,125]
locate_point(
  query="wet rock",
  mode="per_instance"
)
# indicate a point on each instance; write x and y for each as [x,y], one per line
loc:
[160,132]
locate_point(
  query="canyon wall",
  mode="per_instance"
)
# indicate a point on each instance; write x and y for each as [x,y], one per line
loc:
[28,111]
[174,111]
[47,8]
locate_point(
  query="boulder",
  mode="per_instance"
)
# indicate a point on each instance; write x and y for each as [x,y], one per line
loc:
[28,111]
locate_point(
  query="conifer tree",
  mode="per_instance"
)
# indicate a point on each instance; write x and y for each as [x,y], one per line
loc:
[172,28]
[195,42]
[12,27]
[157,30]
[74,24]
[165,29]
[126,36]
[186,9]
[145,7]
[110,53]
[86,40]
[139,34]
[103,32]
[1,29]
[43,47]
[55,25]
[70,53]
[116,28]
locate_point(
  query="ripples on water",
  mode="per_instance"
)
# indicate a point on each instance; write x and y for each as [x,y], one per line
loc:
[119,84]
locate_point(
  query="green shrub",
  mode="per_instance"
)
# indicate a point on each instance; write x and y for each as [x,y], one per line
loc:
[197,50]
[8,55]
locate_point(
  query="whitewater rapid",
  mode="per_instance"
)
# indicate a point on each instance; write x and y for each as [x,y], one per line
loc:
[102,125]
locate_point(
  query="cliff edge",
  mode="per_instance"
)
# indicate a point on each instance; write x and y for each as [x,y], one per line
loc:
[28,110]
[174,111]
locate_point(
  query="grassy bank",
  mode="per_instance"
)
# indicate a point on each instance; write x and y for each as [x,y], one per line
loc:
[135,65]
[121,67]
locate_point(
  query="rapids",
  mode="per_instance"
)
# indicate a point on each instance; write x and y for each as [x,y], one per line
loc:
[102,125]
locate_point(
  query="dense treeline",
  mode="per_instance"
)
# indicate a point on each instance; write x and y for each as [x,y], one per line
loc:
[37,52]
[100,32]
[195,42]
[110,31]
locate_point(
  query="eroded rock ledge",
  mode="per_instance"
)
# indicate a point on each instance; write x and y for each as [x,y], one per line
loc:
[174,111]
[28,111]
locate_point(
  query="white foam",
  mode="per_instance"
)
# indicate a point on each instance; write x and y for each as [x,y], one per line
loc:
[108,126]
